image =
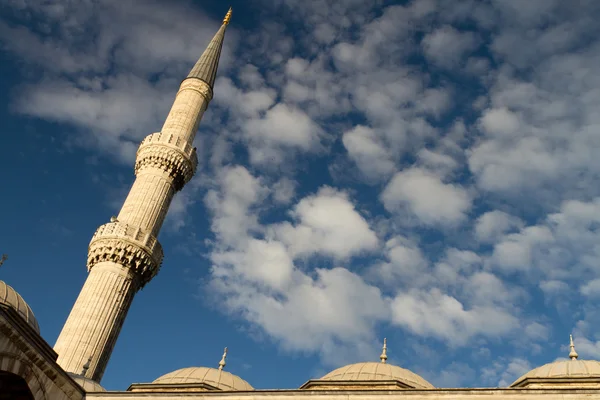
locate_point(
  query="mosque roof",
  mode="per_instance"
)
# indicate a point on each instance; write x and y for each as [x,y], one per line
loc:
[368,373]
[377,371]
[563,371]
[11,298]
[214,377]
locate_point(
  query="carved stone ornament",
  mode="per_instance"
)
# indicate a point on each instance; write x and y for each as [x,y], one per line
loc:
[170,160]
[128,246]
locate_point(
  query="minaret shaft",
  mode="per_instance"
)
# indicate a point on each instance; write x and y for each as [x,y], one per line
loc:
[125,254]
[96,319]
[148,201]
[187,110]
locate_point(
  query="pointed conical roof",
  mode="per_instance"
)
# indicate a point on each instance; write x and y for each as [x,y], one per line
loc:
[206,67]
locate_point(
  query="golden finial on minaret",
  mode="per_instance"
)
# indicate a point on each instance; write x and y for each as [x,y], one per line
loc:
[222,362]
[573,354]
[383,356]
[227,17]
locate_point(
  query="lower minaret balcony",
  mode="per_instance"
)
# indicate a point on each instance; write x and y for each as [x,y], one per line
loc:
[126,245]
[169,153]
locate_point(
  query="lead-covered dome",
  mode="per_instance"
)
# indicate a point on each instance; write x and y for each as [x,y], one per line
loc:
[87,384]
[369,376]
[562,373]
[11,298]
[377,371]
[219,379]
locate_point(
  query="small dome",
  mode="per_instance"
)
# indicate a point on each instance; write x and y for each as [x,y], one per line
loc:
[572,370]
[11,298]
[212,376]
[377,371]
[87,384]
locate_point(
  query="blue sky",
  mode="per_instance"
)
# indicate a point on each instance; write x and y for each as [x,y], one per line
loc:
[424,171]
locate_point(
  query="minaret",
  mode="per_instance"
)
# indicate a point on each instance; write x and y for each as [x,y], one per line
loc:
[124,254]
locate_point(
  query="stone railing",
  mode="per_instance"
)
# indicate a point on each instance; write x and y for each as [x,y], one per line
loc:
[174,141]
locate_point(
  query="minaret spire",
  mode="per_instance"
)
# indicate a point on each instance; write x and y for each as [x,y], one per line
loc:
[206,67]
[124,254]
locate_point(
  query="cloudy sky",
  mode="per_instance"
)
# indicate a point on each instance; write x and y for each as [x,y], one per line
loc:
[425,171]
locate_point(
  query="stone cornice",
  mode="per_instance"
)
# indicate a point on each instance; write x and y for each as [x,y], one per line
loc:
[416,394]
[318,384]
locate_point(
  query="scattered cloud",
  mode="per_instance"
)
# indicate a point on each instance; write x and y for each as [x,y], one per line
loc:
[466,169]
[423,194]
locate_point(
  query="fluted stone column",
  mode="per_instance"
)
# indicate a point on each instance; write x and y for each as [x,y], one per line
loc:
[124,254]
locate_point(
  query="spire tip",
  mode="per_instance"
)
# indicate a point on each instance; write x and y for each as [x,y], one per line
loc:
[222,362]
[573,354]
[227,17]
[383,357]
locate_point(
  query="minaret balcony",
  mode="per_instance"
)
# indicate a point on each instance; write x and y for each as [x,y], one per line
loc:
[170,153]
[126,245]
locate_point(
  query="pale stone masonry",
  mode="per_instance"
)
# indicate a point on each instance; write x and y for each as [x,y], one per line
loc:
[124,254]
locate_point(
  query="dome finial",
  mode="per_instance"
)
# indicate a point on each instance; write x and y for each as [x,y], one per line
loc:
[227,17]
[222,362]
[86,366]
[383,356]
[573,354]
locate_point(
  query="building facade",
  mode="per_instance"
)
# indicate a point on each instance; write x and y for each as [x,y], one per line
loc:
[124,255]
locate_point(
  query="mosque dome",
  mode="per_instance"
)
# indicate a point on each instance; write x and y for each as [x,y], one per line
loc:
[10,297]
[562,373]
[370,375]
[87,384]
[213,377]
[377,371]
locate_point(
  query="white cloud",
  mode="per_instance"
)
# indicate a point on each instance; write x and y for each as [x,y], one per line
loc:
[440,315]
[336,305]
[426,196]
[500,122]
[447,46]
[108,72]
[512,128]
[366,149]
[239,191]
[490,226]
[284,190]
[516,251]
[327,223]
[535,330]
[591,289]
[286,126]
[405,264]
[263,262]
